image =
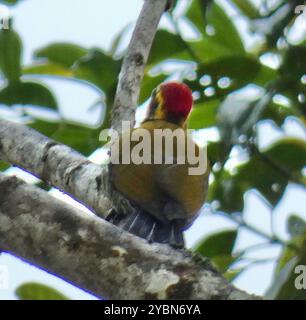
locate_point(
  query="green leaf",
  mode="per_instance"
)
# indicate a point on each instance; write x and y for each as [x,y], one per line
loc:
[10,2]
[27,93]
[203,115]
[38,291]
[296,247]
[287,254]
[223,262]
[100,69]
[3,165]
[48,68]
[228,190]
[65,54]
[276,112]
[80,138]
[43,185]
[206,49]
[232,66]
[288,154]
[285,282]
[247,8]
[217,244]
[296,226]
[216,152]
[232,274]
[265,76]
[282,286]
[45,127]
[237,116]
[293,65]
[267,180]
[225,33]
[218,248]
[229,66]
[148,85]
[10,54]
[166,45]
[197,13]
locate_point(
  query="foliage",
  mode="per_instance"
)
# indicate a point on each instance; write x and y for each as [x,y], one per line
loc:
[37,291]
[220,69]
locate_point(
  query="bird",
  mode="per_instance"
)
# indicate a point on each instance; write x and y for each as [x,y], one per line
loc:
[166,196]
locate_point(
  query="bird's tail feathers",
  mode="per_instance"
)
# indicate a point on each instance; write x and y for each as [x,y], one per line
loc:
[144,225]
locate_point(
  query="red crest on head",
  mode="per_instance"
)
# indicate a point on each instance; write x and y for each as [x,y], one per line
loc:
[177,98]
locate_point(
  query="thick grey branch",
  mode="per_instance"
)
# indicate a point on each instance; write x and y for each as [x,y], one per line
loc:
[97,256]
[132,70]
[58,165]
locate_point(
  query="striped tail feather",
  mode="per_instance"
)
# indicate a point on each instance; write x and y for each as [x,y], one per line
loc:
[144,225]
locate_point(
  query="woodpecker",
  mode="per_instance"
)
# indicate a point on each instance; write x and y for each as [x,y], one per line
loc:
[166,195]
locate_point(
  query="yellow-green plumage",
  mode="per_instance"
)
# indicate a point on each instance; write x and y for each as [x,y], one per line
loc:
[150,186]
[167,196]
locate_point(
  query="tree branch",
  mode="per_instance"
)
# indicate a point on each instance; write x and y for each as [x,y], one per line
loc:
[97,256]
[60,166]
[132,69]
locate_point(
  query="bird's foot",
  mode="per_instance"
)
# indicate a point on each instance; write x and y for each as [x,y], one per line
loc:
[176,236]
[113,216]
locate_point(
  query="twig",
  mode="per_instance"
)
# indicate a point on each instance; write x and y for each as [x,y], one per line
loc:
[242,223]
[253,261]
[273,239]
[254,247]
[132,70]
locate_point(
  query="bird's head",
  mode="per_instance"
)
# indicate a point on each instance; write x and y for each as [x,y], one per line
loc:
[170,101]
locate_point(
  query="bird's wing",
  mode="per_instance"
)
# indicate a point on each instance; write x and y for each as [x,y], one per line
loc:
[188,190]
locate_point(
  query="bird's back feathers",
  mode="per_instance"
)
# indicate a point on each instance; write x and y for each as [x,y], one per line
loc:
[166,195]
